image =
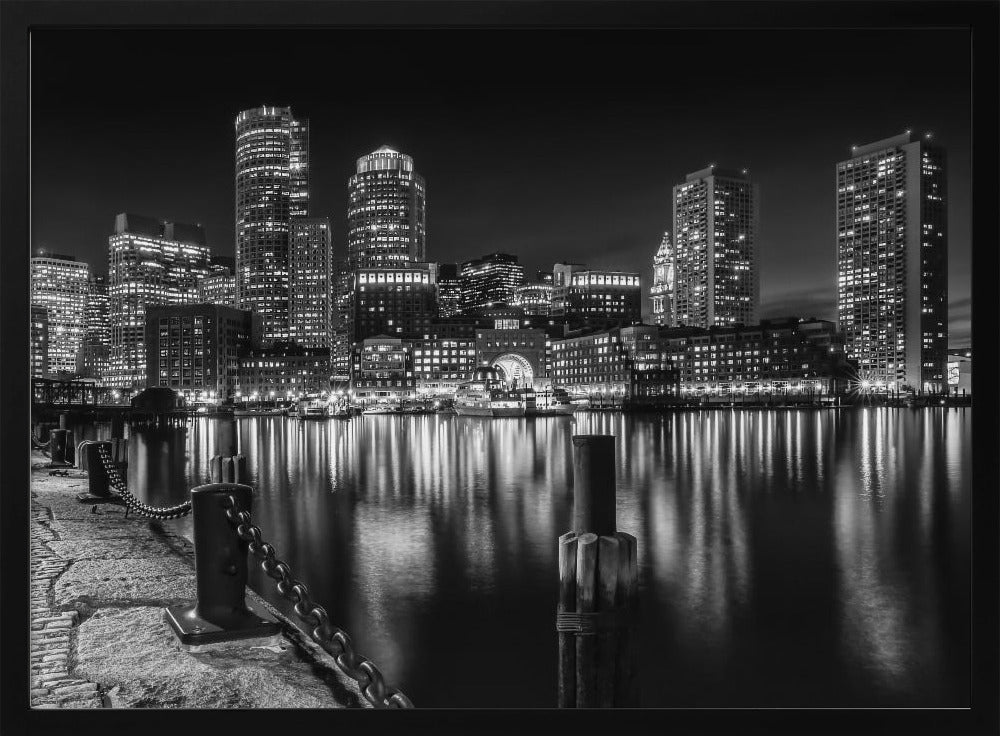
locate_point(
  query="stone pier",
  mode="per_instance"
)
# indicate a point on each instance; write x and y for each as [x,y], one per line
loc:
[99,583]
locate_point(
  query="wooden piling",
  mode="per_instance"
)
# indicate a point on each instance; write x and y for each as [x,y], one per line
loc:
[598,586]
[586,602]
[232,469]
[567,604]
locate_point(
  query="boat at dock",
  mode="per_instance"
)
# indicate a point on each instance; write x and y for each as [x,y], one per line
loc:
[487,395]
[549,402]
[313,408]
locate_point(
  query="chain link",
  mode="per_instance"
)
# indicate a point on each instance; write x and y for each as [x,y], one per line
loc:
[116,481]
[334,640]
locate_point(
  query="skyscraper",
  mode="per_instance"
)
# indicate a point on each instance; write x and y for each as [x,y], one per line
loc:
[95,354]
[59,284]
[149,263]
[449,286]
[662,289]
[39,360]
[272,186]
[490,279]
[310,261]
[715,249]
[387,212]
[892,262]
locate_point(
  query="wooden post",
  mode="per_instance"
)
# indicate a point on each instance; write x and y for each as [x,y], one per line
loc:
[227,437]
[598,582]
[231,469]
[586,602]
[117,426]
[567,604]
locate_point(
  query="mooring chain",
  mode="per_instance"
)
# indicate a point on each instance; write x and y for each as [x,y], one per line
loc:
[116,481]
[40,445]
[334,641]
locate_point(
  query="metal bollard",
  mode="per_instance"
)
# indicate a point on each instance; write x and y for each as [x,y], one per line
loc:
[221,612]
[57,446]
[97,475]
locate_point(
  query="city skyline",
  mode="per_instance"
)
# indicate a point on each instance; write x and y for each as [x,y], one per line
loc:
[562,214]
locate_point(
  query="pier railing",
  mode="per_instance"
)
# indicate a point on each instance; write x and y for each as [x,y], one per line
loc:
[224,533]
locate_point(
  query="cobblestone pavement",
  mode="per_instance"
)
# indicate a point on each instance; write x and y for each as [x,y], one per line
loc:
[53,632]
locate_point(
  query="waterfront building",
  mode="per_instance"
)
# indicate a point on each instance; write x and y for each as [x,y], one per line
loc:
[39,358]
[449,290]
[492,278]
[620,363]
[534,297]
[784,357]
[586,298]
[398,302]
[282,371]
[387,211]
[715,225]
[195,349]
[150,262]
[442,360]
[517,353]
[95,353]
[272,187]
[219,286]
[382,370]
[60,284]
[661,292]
[544,277]
[341,320]
[892,256]
[310,281]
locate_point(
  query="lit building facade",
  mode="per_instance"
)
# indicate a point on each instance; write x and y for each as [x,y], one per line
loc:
[535,298]
[39,358]
[585,298]
[387,211]
[398,302]
[95,354]
[310,281]
[661,292]
[272,187]
[219,286]
[715,249]
[621,363]
[892,257]
[60,284]
[283,371]
[784,357]
[195,349]
[490,279]
[149,263]
[442,361]
[449,290]
[960,371]
[382,370]
[518,353]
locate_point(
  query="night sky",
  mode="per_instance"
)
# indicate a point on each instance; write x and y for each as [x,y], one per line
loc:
[552,145]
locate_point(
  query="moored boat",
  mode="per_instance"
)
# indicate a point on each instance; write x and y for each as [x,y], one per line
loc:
[486,395]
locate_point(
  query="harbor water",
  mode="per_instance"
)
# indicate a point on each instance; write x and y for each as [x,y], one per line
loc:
[787,558]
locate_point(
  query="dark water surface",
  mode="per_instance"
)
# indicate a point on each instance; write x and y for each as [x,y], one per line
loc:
[796,558]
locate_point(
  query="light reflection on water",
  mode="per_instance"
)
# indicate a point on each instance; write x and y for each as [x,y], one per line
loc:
[796,558]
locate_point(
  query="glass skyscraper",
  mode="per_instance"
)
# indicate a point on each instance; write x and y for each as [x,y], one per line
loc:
[387,212]
[892,262]
[272,186]
[490,279]
[310,262]
[715,249]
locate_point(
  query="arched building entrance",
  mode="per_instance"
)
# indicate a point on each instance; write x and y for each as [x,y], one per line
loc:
[514,368]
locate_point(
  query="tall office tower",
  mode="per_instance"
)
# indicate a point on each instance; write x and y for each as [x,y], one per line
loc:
[449,285]
[39,341]
[95,354]
[661,292]
[715,249]
[399,302]
[272,186]
[591,299]
[341,322]
[387,212]
[310,280]
[492,278]
[60,284]
[149,263]
[892,256]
